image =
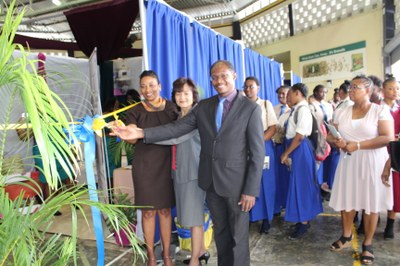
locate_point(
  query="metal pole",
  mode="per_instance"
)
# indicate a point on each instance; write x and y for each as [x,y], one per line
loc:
[142,10]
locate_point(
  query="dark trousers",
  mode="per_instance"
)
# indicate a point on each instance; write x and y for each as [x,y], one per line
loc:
[231,230]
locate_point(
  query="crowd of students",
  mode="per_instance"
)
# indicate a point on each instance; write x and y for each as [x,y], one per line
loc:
[290,179]
[367,117]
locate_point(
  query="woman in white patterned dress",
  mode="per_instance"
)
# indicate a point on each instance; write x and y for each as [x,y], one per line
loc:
[365,129]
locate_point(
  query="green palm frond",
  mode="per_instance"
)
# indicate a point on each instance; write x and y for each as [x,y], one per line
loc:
[115,148]
[23,237]
[44,107]
[26,241]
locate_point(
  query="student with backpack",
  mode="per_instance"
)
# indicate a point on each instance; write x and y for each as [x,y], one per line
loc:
[265,202]
[323,111]
[303,201]
[282,111]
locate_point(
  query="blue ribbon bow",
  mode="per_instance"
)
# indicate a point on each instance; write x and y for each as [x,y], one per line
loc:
[85,134]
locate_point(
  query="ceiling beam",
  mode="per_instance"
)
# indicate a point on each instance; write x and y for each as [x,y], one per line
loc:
[61,8]
[34,15]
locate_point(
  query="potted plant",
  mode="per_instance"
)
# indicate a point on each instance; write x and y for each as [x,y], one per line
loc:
[23,238]
[124,201]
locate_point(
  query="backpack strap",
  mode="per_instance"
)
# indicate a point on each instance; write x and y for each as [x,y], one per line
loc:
[265,105]
[296,114]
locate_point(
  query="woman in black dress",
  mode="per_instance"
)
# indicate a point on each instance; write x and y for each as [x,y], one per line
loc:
[151,166]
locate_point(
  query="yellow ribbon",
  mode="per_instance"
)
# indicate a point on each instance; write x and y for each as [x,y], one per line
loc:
[98,123]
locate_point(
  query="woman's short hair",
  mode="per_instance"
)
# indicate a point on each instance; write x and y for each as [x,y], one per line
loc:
[178,84]
[253,79]
[317,88]
[149,73]
[345,86]
[300,87]
[388,80]
[282,87]
[368,83]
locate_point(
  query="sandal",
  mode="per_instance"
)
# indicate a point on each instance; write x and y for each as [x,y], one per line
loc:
[366,259]
[341,243]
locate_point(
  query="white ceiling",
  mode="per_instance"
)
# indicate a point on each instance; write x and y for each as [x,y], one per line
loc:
[44,19]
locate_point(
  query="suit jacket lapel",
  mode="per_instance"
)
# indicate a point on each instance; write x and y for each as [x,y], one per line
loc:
[213,111]
[232,112]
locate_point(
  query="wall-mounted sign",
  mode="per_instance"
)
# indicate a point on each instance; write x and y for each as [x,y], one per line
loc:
[341,62]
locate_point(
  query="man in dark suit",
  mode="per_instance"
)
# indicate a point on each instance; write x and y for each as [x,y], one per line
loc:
[231,159]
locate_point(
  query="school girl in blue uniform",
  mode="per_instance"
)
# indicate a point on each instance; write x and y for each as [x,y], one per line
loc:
[265,202]
[304,200]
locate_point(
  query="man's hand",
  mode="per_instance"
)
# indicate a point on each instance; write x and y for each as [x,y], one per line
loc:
[247,202]
[127,133]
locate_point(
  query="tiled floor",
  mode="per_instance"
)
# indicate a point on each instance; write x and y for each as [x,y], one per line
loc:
[276,249]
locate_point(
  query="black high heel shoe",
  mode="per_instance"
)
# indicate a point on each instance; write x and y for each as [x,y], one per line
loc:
[205,257]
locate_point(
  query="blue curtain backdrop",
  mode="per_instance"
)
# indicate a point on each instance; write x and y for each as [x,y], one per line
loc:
[268,72]
[276,75]
[295,79]
[232,51]
[203,55]
[167,39]
[177,47]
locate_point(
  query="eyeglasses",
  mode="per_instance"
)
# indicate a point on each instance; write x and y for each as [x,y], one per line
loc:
[355,87]
[223,76]
[249,87]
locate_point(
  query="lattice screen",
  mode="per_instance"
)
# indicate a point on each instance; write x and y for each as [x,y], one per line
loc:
[307,15]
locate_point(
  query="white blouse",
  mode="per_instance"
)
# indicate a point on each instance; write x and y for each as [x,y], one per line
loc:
[267,113]
[304,121]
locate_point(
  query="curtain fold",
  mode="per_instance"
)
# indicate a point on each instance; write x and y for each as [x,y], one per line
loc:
[178,47]
[276,75]
[232,51]
[268,73]
[167,39]
[203,55]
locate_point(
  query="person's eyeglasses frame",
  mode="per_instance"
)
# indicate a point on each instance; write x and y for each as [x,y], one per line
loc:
[249,87]
[223,76]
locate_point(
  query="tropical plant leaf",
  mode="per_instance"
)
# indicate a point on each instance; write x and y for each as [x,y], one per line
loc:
[115,148]
[23,237]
